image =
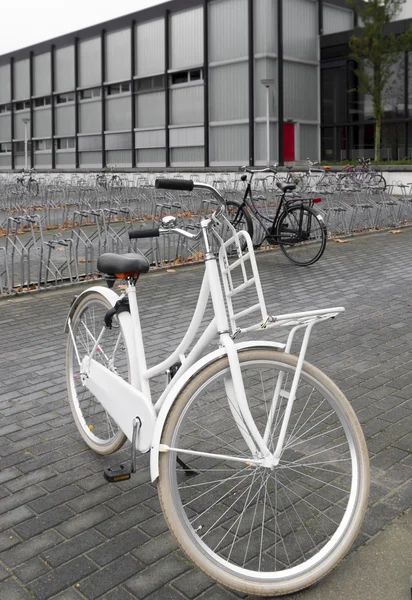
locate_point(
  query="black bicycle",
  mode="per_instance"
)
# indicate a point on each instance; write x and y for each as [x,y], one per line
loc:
[297,227]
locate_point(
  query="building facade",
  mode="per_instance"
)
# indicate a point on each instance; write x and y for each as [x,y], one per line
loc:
[186,84]
[347,123]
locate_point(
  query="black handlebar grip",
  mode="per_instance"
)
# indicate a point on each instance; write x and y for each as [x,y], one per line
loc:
[174,184]
[144,233]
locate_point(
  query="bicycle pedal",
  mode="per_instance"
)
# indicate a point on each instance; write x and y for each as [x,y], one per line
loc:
[117,473]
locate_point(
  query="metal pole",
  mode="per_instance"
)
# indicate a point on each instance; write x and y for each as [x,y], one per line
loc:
[268,125]
[25,145]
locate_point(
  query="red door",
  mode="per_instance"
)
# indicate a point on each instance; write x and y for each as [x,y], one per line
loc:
[289,142]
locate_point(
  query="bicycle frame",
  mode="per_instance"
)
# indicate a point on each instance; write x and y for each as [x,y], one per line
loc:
[130,403]
[284,204]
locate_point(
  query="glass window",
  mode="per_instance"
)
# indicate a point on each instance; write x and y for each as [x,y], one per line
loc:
[393,96]
[118,88]
[62,98]
[393,142]
[5,147]
[65,143]
[196,75]
[22,105]
[334,95]
[363,141]
[149,83]
[90,93]
[42,101]
[5,108]
[40,145]
[18,147]
[181,77]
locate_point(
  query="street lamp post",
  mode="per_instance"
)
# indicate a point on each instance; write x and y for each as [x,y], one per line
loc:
[25,120]
[268,84]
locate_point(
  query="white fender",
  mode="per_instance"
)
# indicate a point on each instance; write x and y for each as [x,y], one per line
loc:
[110,295]
[168,403]
[134,403]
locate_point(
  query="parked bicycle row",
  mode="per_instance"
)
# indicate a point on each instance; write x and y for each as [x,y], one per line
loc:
[60,243]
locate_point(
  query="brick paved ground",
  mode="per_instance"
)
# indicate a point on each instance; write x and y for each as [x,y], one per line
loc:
[68,535]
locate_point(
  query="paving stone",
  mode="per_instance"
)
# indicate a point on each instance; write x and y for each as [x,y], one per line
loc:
[62,577]
[69,549]
[11,590]
[47,520]
[110,576]
[167,569]
[84,521]
[116,547]
[24,551]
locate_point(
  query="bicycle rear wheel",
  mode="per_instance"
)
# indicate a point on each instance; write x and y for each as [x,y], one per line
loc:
[301,234]
[97,428]
[239,218]
[264,531]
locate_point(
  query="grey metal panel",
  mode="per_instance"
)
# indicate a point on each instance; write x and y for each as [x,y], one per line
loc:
[150,109]
[65,160]
[152,157]
[336,19]
[186,38]
[301,94]
[150,139]
[300,29]
[118,113]
[193,157]
[120,158]
[64,69]
[265,68]
[5,128]
[187,105]
[228,92]
[42,123]
[5,161]
[118,55]
[186,136]
[118,141]
[5,84]
[19,125]
[265,29]
[309,142]
[260,143]
[150,48]
[42,74]
[90,159]
[42,159]
[19,162]
[65,120]
[228,29]
[92,142]
[21,79]
[90,117]
[90,59]
[229,145]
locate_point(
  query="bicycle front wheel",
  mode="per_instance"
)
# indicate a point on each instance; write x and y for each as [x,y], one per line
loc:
[261,530]
[97,428]
[301,235]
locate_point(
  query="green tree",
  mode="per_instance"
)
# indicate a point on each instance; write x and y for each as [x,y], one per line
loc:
[376,51]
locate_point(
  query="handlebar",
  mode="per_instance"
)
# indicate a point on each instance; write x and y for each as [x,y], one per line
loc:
[188,185]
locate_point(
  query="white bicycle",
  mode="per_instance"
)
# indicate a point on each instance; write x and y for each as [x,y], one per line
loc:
[262,467]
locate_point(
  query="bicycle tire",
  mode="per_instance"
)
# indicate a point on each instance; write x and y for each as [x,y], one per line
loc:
[246,525]
[239,218]
[301,234]
[96,427]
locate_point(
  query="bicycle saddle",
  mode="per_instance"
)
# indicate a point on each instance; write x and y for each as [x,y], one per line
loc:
[122,264]
[287,187]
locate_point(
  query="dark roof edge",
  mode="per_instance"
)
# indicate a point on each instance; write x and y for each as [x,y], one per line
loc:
[147,14]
